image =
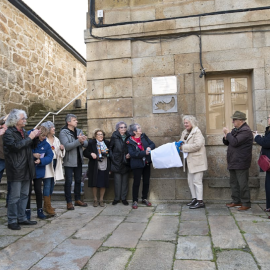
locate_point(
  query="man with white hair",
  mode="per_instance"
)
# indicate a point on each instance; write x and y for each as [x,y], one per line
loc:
[20,167]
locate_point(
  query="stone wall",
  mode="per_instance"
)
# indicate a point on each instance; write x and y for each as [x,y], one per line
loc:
[35,71]
[119,75]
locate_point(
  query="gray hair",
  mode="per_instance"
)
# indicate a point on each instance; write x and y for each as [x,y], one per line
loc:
[48,125]
[69,116]
[14,117]
[118,124]
[132,128]
[192,119]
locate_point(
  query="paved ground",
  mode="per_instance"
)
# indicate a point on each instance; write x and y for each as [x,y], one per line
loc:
[162,237]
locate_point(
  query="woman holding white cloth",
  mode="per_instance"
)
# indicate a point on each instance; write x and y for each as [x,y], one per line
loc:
[196,160]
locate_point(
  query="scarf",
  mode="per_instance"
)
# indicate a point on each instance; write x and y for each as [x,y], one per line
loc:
[102,148]
[139,142]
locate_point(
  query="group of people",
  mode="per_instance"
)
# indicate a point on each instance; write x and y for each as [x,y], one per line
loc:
[38,156]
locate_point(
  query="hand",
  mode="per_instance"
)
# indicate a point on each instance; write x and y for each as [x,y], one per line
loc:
[148,149]
[94,156]
[82,138]
[127,156]
[255,133]
[62,147]
[36,155]
[225,131]
[37,161]
[3,129]
[33,134]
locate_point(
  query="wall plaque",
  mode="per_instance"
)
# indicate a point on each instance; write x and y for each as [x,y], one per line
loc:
[164,104]
[164,85]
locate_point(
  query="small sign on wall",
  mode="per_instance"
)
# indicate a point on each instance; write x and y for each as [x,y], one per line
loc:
[164,85]
[164,104]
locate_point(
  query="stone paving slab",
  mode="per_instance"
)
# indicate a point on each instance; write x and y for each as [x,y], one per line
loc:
[193,228]
[244,217]
[71,254]
[7,240]
[254,227]
[162,228]
[116,210]
[99,228]
[152,255]
[259,245]
[235,259]
[225,233]
[193,265]
[174,208]
[113,258]
[194,248]
[217,210]
[141,214]
[4,230]
[193,214]
[126,235]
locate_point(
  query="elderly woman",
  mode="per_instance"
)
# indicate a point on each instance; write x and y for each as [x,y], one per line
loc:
[99,165]
[264,142]
[139,147]
[119,162]
[42,155]
[54,170]
[196,159]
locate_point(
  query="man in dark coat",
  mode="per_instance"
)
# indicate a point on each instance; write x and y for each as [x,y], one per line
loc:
[239,155]
[20,167]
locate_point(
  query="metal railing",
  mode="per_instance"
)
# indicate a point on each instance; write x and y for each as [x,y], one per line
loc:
[59,110]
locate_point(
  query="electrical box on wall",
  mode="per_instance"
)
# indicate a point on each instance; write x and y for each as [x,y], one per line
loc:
[100,13]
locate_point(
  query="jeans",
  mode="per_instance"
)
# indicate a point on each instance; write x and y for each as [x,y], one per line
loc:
[2,168]
[17,202]
[138,173]
[8,190]
[68,181]
[38,193]
[48,183]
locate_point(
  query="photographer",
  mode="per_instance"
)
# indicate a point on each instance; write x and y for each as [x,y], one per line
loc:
[99,165]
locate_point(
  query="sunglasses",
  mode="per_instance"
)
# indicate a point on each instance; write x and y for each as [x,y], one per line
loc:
[122,127]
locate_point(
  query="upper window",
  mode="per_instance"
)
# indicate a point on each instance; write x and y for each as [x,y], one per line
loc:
[225,95]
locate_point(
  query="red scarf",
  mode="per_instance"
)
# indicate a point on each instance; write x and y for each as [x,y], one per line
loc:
[21,131]
[139,142]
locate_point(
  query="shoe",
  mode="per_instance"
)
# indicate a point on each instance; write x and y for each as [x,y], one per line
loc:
[95,203]
[28,222]
[267,210]
[47,206]
[193,202]
[243,208]
[14,226]
[147,203]
[232,204]
[70,206]
[134,205]
[28,214]
[40,214]
[115,202]
[101,203]
[80,203]
[125,202]
[197,205]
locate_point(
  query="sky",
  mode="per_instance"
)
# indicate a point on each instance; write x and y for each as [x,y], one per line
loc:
[66,17]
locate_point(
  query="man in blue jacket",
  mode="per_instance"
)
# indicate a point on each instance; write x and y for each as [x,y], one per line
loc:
[73,140]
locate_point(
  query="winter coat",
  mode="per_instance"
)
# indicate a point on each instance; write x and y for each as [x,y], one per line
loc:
[93,163]
[18,156]
[239,153]
[57,174]
[264,142]
[137,155]
[71,143]
[43,148]
[118,151]
[194,146]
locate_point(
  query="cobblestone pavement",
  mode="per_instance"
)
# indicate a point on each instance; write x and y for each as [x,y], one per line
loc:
[162,237]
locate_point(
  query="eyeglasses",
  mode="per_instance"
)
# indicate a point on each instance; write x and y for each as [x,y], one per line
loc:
[122,127]
[24,118]
[268,117]
[100,134]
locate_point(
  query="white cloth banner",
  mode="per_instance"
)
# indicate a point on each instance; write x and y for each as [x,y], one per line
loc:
[166,156]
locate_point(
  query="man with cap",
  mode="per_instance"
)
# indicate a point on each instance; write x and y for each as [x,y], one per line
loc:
[239,155]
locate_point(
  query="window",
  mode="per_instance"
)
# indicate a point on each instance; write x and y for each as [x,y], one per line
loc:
[225,95]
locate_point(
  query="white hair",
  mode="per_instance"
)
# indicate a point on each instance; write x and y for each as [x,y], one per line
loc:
[192,119]
[14,117]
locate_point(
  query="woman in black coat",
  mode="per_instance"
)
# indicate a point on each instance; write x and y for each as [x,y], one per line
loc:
[119,162]
[99,165]
[139,147]
[264,142]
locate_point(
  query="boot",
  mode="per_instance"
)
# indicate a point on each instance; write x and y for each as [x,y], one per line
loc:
[50,201]
[49,209]
[40,214]
[28,214]
[70,206]
[44,204]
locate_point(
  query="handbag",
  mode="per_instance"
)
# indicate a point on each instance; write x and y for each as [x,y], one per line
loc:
[264,163]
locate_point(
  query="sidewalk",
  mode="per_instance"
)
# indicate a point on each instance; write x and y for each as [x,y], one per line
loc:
[162,237]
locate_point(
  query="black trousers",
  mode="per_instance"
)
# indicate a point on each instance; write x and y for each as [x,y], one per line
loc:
[267,189]
[138,173]
[38,192]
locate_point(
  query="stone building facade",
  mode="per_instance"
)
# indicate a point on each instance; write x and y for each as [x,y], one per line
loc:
[235,53]
[37,70]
